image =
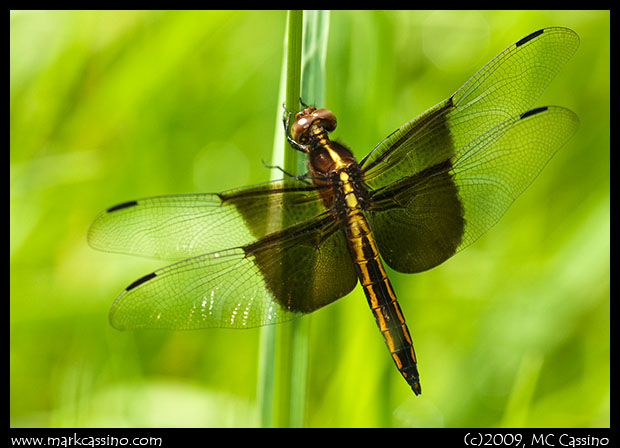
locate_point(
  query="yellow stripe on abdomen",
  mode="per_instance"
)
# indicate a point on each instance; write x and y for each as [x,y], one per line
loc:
[381,297]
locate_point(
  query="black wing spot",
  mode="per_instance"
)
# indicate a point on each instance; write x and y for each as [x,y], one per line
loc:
[529,37]
[141,280]
[121,206]
[534,111]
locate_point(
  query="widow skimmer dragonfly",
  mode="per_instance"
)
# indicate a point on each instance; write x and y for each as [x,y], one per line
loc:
[270,252]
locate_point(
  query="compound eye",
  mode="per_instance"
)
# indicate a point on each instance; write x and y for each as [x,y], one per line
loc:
[327,119]
[299,129]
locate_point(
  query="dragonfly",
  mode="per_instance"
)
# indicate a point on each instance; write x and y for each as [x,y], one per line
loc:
[274,251]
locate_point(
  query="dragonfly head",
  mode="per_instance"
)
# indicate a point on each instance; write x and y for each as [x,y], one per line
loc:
[309,118]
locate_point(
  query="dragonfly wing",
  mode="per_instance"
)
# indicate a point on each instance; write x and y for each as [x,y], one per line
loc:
[182,226]
[504,88]
[277,278]
[424,219]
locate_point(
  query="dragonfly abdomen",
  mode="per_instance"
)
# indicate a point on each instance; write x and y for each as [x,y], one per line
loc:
[381,298]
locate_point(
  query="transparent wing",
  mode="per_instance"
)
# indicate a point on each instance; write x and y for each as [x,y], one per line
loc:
[277,278]
[424,219]
[504,88]
[182,226]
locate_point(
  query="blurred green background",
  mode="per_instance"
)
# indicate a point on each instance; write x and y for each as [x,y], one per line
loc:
[112,106]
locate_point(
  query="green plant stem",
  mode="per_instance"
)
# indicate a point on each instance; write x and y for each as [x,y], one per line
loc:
[315,27]
[274,364]
[292,161]
[284,349]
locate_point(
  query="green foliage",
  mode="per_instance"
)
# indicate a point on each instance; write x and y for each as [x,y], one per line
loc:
[112,106]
